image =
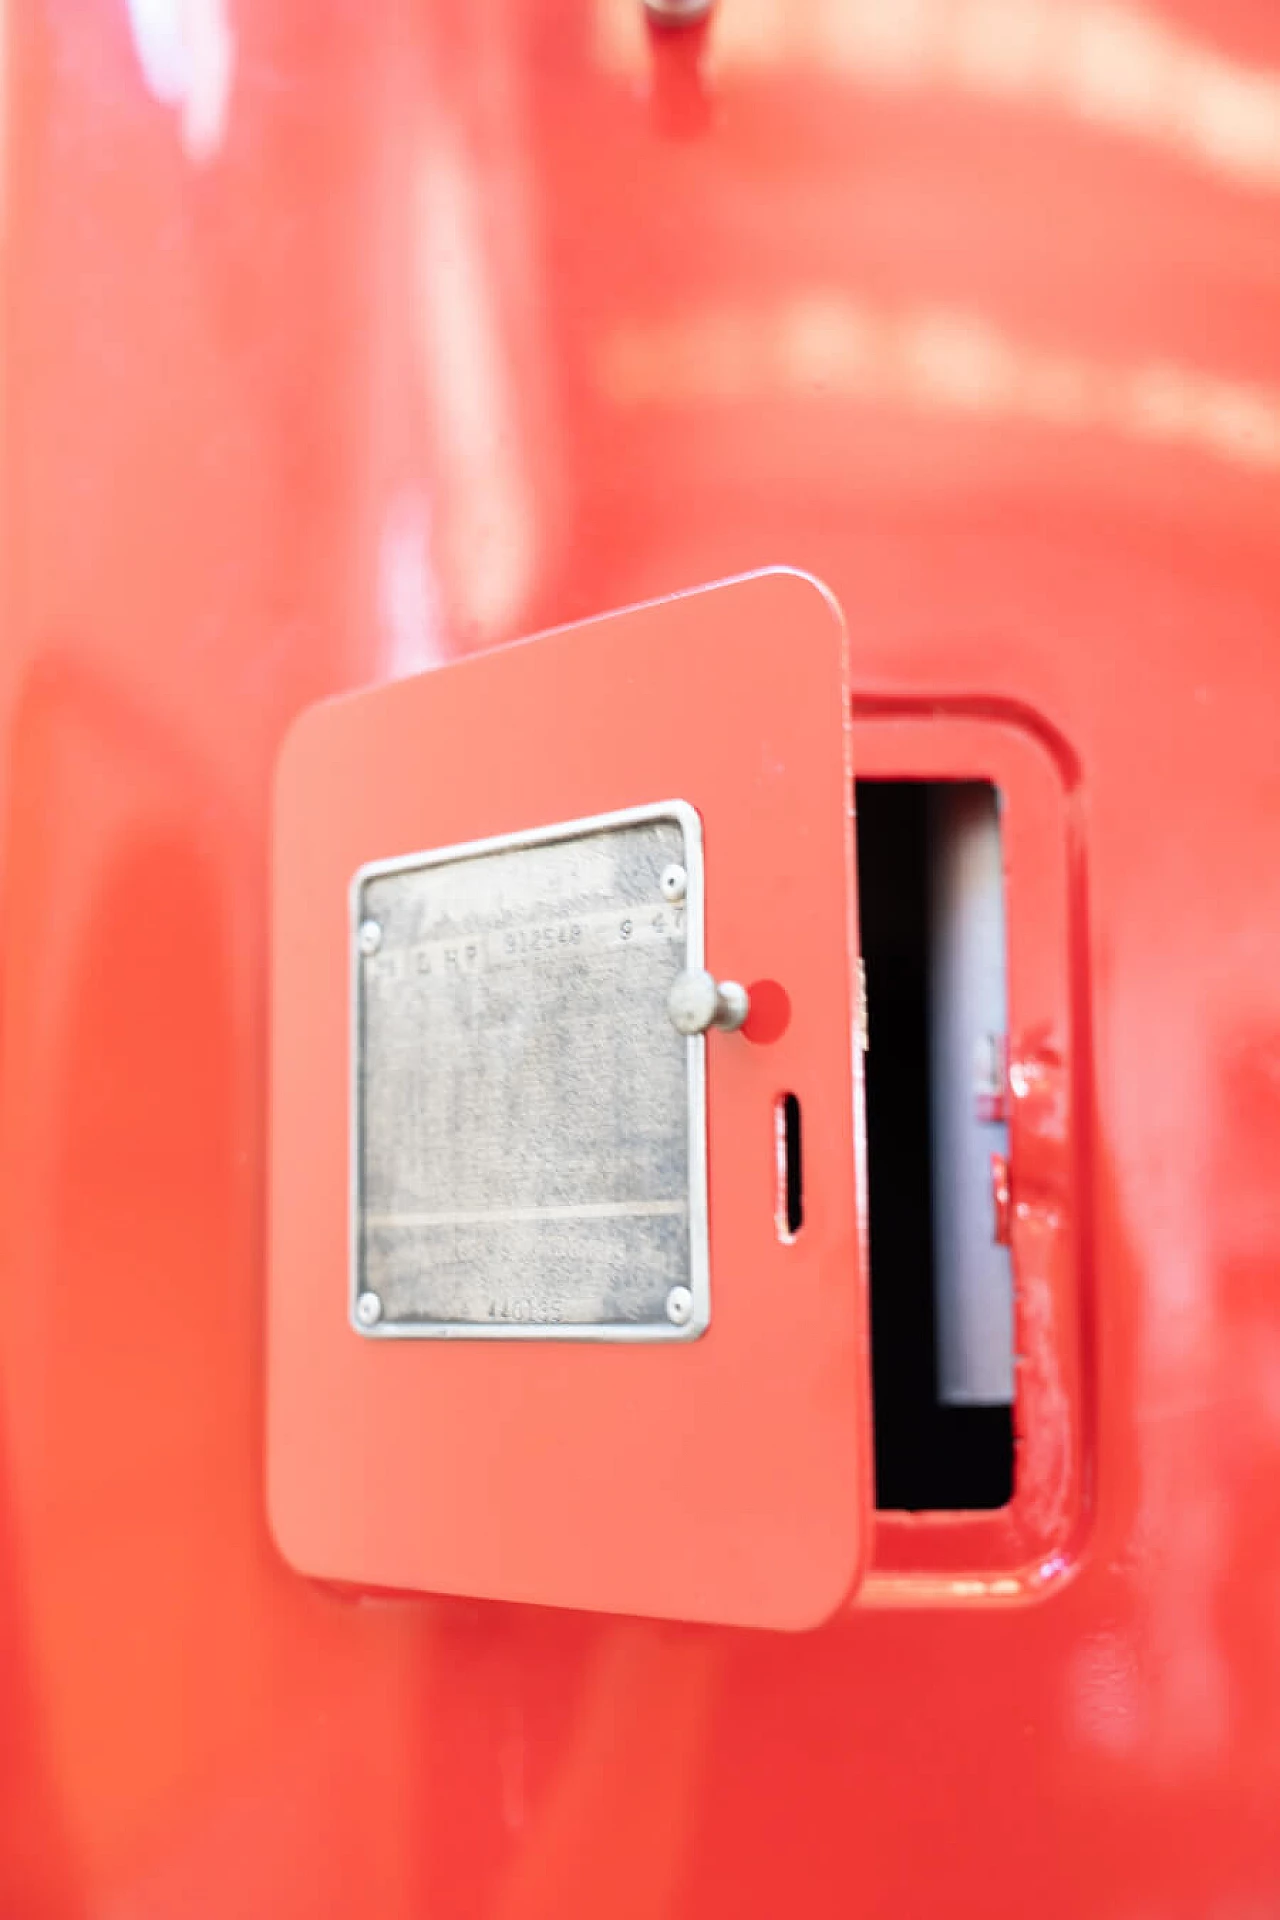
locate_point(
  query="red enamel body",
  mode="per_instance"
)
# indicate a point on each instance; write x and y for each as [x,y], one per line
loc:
[342,341]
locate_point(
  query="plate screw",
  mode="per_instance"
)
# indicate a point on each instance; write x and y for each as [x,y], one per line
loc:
[679,1306]
[674,883]
[368,1309]
[370,936]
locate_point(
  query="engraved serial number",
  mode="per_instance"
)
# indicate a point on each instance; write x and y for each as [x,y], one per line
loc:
[563,933]
[509,946]
[526,1312]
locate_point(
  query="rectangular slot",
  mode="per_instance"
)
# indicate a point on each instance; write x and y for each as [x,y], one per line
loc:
[932,920]
[789,1210]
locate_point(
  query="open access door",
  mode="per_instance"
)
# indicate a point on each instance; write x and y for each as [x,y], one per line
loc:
[567,1297]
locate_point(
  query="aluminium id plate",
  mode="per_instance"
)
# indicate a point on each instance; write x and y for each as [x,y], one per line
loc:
[529,1152]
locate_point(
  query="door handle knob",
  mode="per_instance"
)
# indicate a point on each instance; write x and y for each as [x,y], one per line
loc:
[698,1001]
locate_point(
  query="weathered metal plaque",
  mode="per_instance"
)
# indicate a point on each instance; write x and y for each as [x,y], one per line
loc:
[529,1129]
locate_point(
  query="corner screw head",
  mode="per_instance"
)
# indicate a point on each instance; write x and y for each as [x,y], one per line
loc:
[674,883]
[368,1309]
[679,1306]
[370,936]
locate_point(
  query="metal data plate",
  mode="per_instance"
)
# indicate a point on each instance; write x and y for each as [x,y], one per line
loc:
[529,1139]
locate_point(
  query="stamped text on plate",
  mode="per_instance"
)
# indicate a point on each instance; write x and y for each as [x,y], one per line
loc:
[529,1128]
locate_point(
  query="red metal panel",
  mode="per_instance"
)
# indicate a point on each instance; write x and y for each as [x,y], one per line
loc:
[340,341]
[727,1480]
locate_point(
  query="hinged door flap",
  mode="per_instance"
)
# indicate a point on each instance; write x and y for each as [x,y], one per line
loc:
[543,1325]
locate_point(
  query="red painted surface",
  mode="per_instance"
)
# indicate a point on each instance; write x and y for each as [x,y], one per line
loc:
[394,332]
[725,1479]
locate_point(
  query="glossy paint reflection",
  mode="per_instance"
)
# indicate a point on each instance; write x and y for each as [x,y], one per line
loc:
[187,53]
[827,350]
[1115,68]
[472,319]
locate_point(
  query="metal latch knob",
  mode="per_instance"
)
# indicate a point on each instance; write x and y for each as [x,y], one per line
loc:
[698,1001]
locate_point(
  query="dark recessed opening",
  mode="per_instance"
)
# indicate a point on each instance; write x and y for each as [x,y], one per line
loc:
[790,1208]
[931,909]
